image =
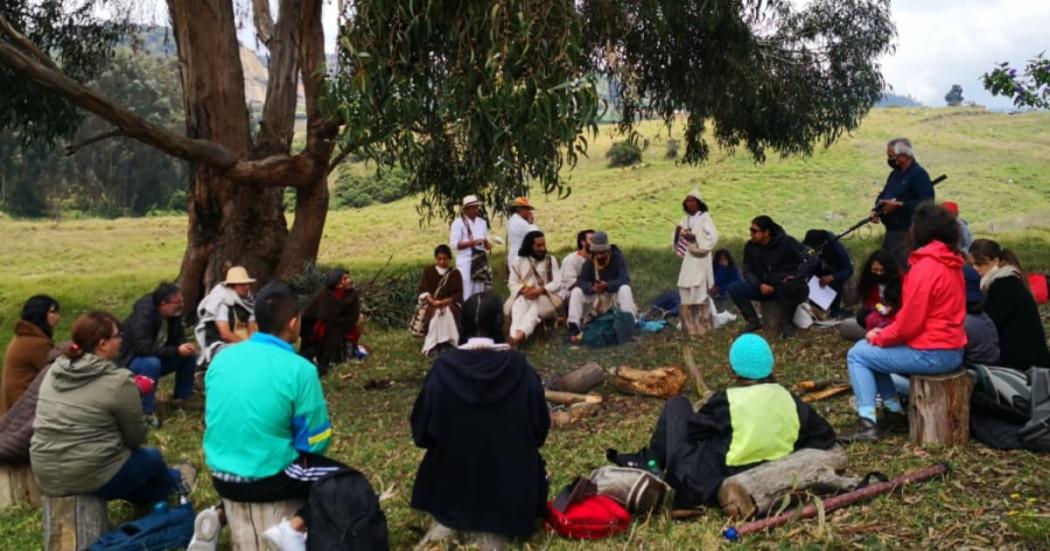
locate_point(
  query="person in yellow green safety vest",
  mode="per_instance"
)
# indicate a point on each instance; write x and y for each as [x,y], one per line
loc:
[753,421]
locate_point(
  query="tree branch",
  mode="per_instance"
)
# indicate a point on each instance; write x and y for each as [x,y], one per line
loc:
[320,131]
[278,121]
[26,44]
[74,148]
[263,22]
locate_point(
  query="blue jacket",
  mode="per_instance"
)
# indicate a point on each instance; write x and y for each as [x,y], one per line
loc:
[615,274]
[911,187]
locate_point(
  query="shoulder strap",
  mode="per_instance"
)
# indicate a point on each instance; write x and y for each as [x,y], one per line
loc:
[441,284]
[466,223]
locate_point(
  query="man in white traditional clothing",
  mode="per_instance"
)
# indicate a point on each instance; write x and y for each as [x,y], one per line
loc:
[521,222]
[573,263]
[694,240]
[226,315]
[469,238]
[534,285]
[603,282]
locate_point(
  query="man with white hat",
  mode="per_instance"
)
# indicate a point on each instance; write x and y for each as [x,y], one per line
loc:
[603,282]
[521,222]
[469,238]
[227,315]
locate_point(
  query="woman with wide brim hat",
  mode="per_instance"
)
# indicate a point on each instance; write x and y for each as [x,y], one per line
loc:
[468,237]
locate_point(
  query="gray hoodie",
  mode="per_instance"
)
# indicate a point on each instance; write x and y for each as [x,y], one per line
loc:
[88,419]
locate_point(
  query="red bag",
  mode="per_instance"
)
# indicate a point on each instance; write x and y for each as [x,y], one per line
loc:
[1038,283]
[592,518]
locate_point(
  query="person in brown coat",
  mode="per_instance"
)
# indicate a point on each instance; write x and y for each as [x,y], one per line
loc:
[442,292]
[28,352]
[331,324]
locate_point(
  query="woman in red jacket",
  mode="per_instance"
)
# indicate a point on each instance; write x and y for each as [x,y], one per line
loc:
[926,336]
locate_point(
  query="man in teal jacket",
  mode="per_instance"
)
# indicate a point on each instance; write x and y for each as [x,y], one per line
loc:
[266,420]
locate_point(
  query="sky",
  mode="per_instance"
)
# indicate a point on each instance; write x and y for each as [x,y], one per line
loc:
[939,43]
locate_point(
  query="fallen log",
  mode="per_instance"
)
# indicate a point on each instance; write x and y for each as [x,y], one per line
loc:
[733,533]
[570,398]
[662,382]
[757,490]
[580,380]
[574,413]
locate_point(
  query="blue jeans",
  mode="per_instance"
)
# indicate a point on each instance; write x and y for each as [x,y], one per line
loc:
[870,368]
[155,368]
[144,479]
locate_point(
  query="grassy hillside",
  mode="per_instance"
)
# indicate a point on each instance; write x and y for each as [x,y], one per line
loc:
[997,165]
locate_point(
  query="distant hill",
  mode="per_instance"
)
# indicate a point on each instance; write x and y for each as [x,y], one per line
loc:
[894,100]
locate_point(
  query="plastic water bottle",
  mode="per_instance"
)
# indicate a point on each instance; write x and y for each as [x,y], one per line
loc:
[654,468]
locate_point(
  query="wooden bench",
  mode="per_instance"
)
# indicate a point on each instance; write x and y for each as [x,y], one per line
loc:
[17,486]
[73,523]
[248,521]
[939,409]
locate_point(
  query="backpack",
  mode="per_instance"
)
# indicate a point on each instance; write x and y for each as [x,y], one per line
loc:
[638,490]
[1010,409]
[591,518]
[162,529]
[609,329]
[345,514]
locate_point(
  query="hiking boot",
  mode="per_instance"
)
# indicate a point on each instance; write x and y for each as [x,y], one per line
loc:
[866,431]
[151,420]
[574,330]
[894,423]
[206,529]
[187,478]
[192,402]
[282,537]
[787,330]
[751,327]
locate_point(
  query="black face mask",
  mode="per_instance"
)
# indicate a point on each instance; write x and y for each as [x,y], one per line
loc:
[882,278]
[892,162]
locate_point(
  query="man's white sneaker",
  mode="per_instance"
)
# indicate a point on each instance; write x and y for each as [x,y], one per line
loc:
[206,529]
[283,537]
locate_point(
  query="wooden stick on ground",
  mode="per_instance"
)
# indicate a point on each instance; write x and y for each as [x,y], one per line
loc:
[702,390]
[569,398]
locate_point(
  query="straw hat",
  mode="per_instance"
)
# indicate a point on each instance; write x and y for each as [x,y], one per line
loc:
[470,201]
[520,203]
[237,275]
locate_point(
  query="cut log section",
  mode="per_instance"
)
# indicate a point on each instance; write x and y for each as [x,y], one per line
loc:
[17,486]
[570,398]
[758,490]
[939,409]
[248,521]
[73,523]
[662,382]
[580,380]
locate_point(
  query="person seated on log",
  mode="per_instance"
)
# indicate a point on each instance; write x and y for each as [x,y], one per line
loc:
[835,267]
[982,338]
[573,263]
[753,421]
[27,354]
[879,287]
[603,282]
[482,418]
[965,233]
[226,315]
[266,421]
[1022,338]
[16,424]
[694,239]
[332,323]
[726,273]
[441,289]
[89,429]
[155,345]
[534,284]
[926,336]
[774,265]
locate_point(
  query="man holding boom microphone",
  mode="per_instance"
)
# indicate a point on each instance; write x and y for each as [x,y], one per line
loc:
[906,187]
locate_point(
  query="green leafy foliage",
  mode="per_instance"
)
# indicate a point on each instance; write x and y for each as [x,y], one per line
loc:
[352,191]
[387,300]
[80,44]
[1030,89]
[954,97]
[625,153]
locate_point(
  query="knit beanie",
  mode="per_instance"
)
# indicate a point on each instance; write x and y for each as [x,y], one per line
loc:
[750,357]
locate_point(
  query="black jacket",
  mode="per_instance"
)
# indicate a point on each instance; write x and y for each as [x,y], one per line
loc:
[482,417]
[1022,340]
[911,187]
[700,465]
[140,332]
[834,258]
[615,274]
[775,261]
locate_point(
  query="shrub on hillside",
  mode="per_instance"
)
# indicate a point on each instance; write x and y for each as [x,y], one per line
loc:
[352,191]
[624,153]
[672,149]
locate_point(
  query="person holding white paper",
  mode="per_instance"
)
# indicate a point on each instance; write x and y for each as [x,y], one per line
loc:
[835,267]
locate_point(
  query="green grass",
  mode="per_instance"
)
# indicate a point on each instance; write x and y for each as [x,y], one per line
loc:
[998,174]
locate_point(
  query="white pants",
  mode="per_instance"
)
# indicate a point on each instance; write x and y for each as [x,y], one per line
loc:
[525,316]
[470,287]
[581,303]
[442,329]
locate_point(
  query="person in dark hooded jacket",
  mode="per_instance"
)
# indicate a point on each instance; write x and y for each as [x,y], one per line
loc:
[331,325]
[773,271]
[753,421]
[482,417]
[835,267]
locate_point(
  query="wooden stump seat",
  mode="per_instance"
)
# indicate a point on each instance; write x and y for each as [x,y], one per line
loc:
[939,409]
[248,521]
[17,486]
[771,314]
[73,523]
